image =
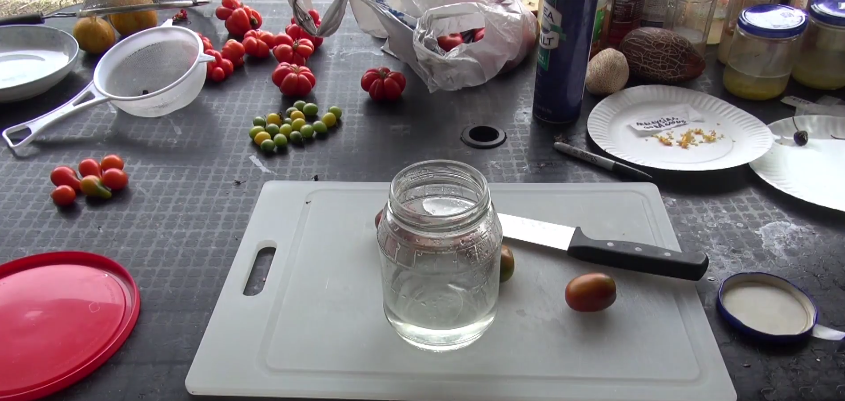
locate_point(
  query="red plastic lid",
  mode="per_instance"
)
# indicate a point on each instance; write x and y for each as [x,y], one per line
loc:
[62,315]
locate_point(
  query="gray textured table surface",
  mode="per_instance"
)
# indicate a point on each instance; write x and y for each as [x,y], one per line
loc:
[192,188]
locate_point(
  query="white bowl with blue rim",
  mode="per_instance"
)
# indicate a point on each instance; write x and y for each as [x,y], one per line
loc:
[767,307]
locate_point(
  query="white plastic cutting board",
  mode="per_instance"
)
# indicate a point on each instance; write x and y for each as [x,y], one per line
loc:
[317,330]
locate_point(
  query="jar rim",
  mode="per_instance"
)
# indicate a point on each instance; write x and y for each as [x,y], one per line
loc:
[466,216]
[826,11]
[773,21]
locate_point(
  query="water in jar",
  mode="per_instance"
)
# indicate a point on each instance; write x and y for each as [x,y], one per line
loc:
[440,287]
[822,61]
[752,86]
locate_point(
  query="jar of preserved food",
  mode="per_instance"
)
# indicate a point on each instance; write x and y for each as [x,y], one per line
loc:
[729,26]
[764,50]
[691,19]
[441,243]
[822,61]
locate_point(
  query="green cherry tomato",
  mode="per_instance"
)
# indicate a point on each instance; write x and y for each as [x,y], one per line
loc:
[329,119]
[297,124]
[320,127]
[296,137]
[287,121]
[310,109]
[268,145]
[259,121]
[285,130]
[272,129]
[290,110]
[336,111]
[280,140]
[255,130]
[307,131]
[299,104]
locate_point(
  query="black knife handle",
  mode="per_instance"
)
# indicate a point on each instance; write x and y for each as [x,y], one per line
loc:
[28,19]
[638,257]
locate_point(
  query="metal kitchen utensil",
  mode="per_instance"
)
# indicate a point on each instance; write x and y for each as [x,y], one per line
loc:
[33,59]
[329,22]
[620,254]
[123,76]
[103,7]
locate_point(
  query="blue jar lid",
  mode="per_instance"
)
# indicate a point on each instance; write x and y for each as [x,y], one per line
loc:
[830,12]
[775,21]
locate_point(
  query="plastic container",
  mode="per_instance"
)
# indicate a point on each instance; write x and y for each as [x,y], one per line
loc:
[691,19]
[822,61]
[716,27]
[441,244]
[600,27]
[625,16]
[729,26]
[764,50]
[654,11]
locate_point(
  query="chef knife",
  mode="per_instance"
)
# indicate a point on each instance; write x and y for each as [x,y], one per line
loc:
[620,254]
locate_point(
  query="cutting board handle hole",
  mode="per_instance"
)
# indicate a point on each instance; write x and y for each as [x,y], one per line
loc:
[260,268]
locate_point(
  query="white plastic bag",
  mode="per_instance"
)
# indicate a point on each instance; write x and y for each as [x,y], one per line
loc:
[412,27]
[510,32]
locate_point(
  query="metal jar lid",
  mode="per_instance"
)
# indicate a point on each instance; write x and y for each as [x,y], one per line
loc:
[774,21]
[831,12]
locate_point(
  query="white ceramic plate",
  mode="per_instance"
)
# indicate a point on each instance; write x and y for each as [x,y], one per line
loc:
[742,137]
[814,172]
[33,58]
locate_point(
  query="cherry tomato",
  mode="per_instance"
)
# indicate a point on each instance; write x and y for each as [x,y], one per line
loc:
[92,186]
[479,34]
[115,179]
[591,292]
[90,167]
[378,217]
[111,161]
[64,175]
[63,195]
[450,42]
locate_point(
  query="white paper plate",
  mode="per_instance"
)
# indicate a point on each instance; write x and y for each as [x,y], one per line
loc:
[814,172]
[745,137]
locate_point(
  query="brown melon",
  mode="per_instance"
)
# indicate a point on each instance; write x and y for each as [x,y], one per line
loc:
[662,56]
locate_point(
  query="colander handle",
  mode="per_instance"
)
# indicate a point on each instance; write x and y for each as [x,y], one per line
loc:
[37,125]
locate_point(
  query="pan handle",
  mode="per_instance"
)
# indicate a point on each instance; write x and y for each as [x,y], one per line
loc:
[37,125]
[28,19]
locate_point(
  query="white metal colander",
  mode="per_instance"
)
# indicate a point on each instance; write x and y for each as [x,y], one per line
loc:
[149,74]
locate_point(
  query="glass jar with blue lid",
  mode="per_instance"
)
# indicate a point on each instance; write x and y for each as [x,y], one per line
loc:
[764,50]
[822,61]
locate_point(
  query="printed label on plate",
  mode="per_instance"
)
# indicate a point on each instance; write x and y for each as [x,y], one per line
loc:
[668,118]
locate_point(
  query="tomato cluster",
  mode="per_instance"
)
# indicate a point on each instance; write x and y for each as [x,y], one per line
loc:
[454,40]
[99,179]
[239,18]
[293,79]
[383,84]
[225,61]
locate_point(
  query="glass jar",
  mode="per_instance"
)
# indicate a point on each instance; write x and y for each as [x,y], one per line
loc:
[718,24]
[764,50]
[822,61]
[691,19]
[441,243]
[734,8]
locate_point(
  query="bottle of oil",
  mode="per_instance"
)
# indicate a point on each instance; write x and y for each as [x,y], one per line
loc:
[565,41]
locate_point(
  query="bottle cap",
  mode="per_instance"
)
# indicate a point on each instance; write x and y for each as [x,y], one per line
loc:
[831,12]
[774,21]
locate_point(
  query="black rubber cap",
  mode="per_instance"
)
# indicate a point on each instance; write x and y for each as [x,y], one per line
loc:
[483,136]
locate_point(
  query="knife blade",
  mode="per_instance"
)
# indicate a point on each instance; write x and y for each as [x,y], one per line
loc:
[620,254]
